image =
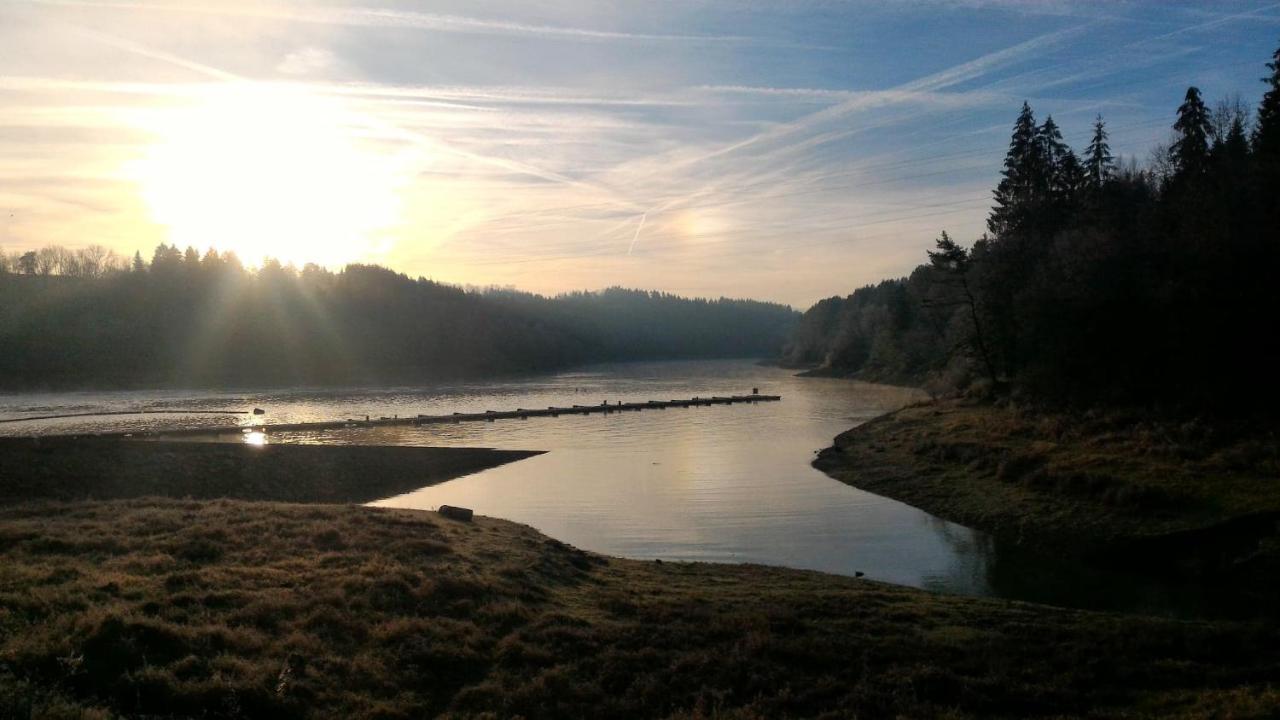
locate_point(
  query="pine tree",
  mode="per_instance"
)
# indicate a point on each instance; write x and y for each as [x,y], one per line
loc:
[1050,176]
[1071,179]
[138,264]
[1266,134]
[1016,188]
[1098,162]
[1233,149]
[1190,153]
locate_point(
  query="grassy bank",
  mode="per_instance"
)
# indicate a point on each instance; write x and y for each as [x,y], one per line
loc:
[1188,496]
[74,469]
[235,609]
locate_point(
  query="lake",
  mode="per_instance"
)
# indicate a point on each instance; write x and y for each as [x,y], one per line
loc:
[720,484]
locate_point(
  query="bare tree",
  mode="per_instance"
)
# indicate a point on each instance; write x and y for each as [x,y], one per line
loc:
[48,260]
[1230,112]
[92,261]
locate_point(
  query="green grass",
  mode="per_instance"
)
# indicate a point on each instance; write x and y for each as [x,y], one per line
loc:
[174,608]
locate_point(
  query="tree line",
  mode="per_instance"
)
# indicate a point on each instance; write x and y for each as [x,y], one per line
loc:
[1096,281]
[91,261]
[186,318]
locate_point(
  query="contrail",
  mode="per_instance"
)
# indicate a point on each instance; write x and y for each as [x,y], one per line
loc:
[635,237]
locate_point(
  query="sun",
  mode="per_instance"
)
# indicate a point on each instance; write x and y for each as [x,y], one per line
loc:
[268,171]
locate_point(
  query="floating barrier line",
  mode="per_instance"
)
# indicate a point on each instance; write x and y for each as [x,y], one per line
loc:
[418,420]
[126,412]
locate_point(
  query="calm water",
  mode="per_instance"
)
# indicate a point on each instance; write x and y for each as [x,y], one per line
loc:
[723,484]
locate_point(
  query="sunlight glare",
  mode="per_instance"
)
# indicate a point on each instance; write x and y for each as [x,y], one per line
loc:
[267,171]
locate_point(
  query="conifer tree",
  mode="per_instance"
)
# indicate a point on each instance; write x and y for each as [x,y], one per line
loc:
[1099,164]
[1233,149]
[1266,134]
[1071,179]
[1016,187]
[138,264]
[1052,178]
[1190,152]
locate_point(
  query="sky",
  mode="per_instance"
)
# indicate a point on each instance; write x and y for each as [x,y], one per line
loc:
[784,151]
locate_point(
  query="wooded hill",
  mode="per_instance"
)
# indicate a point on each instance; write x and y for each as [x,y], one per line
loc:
[183,319]
[1095,281]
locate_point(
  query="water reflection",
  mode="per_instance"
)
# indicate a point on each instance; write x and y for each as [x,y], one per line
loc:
[724,484]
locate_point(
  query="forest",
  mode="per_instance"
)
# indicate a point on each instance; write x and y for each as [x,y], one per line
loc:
[87,319]
[1098,281]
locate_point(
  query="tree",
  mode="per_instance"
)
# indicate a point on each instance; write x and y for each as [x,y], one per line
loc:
[1190,151]
[95,260]
[1098,162]
[49,260]
[6,263]
[1060,172]
[166,259]
[1071,179]
[139,265]
[950,263]
[1022,170]
[28,263]
[1231,151]
[1266,134]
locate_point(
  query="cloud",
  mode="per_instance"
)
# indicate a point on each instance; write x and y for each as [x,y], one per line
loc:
[307,61]
[380,17]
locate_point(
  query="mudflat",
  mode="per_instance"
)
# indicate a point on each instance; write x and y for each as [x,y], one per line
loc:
[87,468]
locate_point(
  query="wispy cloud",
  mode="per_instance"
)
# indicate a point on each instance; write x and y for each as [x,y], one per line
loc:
[388,18]
[608,145]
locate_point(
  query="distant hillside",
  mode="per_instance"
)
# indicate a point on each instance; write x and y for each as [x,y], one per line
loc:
[186,320]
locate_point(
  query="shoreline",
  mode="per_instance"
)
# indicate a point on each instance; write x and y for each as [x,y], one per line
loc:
[66,468]
[195,603]
[310,610]
[1101,489]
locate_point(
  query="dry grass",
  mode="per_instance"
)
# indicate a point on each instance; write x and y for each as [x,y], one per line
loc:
[232,609]
[1191,496]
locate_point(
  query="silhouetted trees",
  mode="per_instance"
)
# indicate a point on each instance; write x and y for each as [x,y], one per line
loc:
[1097,282]
[205,320]
[1099,164]
[1190,152]
[92,261]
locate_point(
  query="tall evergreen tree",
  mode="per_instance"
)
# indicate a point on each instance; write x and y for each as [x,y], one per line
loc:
[1233,150]
[1266,134]
[1054,178]
[1098,162]
[1071,178]
[138,264]
[1190,152]
[1018,179]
